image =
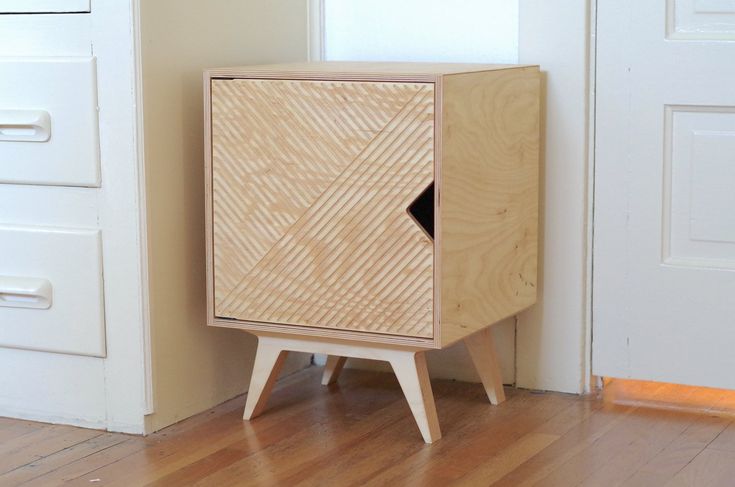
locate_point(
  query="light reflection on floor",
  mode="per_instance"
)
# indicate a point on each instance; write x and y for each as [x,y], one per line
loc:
[716,402]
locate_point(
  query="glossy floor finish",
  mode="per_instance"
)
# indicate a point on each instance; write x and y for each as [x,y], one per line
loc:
[361,432]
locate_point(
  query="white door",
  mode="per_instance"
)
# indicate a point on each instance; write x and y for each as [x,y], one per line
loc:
[664,231]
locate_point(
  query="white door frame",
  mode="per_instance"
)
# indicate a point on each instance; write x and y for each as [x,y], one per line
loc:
[553,338]
[590,381]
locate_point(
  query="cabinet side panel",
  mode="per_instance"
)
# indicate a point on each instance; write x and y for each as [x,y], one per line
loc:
[488,198]
[311,183]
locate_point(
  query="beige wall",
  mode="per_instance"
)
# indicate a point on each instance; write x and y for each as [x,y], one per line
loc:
[195,367]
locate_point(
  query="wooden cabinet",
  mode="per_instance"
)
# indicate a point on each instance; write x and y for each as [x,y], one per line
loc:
[371,210]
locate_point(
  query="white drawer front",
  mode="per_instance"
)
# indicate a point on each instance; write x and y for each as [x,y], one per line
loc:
[48,121]
[51,296]
[43,6]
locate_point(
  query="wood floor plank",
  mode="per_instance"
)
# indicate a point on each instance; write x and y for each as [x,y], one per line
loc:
[470,441]
[507,460]
[518,453]
[135,459]
[585,462]
[41,443]
[620,451]
[641,444]
[14,428]
[195,453]
[362,412]
[45,465]
[725,440]
[72,471]
[362,461]
[574,442]
[168,453]
[667,463]
[360,432]
[711,468]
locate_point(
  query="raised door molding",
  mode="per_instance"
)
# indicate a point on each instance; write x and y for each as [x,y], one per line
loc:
[44,6]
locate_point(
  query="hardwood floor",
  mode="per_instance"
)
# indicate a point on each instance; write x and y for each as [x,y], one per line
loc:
[360,432]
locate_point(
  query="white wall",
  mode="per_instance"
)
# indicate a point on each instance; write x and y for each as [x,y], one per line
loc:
[481,31]
[477,31]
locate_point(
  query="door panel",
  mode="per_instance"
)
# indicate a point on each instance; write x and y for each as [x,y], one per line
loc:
[699,221]
[664,243]
[44,6]
[701,19]
[312,181]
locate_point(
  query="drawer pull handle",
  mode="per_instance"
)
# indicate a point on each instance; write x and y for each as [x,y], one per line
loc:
[25,292]
[25,125]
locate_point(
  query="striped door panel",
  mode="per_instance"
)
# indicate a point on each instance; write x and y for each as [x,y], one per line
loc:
[311,183]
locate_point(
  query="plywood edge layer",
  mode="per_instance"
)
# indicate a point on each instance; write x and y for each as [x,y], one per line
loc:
[348,71]
[489,198]
[208,199]
[335,76]
[324,333]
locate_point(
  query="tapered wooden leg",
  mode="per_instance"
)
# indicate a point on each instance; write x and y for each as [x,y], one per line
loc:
[332,369]
[268,362]
[409,365]
[410,369]
[482,350]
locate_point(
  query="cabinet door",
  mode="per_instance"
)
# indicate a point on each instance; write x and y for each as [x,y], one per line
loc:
[312,182]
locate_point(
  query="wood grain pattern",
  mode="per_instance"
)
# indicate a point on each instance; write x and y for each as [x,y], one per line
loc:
[332,369]
[489,198]
[369,438]
[311,181]
[266,369]
[412,374]
[481,347]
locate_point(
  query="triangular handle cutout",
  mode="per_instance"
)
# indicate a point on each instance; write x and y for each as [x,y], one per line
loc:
[422,210]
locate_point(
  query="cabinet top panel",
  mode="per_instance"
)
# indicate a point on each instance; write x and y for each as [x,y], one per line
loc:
[426,72]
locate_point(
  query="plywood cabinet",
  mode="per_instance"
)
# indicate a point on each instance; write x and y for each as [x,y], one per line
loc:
[390,208]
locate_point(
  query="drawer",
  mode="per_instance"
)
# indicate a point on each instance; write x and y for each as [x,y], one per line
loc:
[313,183]
[44,6]
[51,295]
[48,121]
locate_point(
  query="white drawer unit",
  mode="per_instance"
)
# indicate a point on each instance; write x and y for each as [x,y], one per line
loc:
[51,290]
[48,121]
[44,6]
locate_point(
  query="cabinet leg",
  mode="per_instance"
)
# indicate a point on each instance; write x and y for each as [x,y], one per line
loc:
[482,350]
[410,369]
[332,369]
[269,359]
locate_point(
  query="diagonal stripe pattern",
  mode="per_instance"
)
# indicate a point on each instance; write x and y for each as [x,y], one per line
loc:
[311,181]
